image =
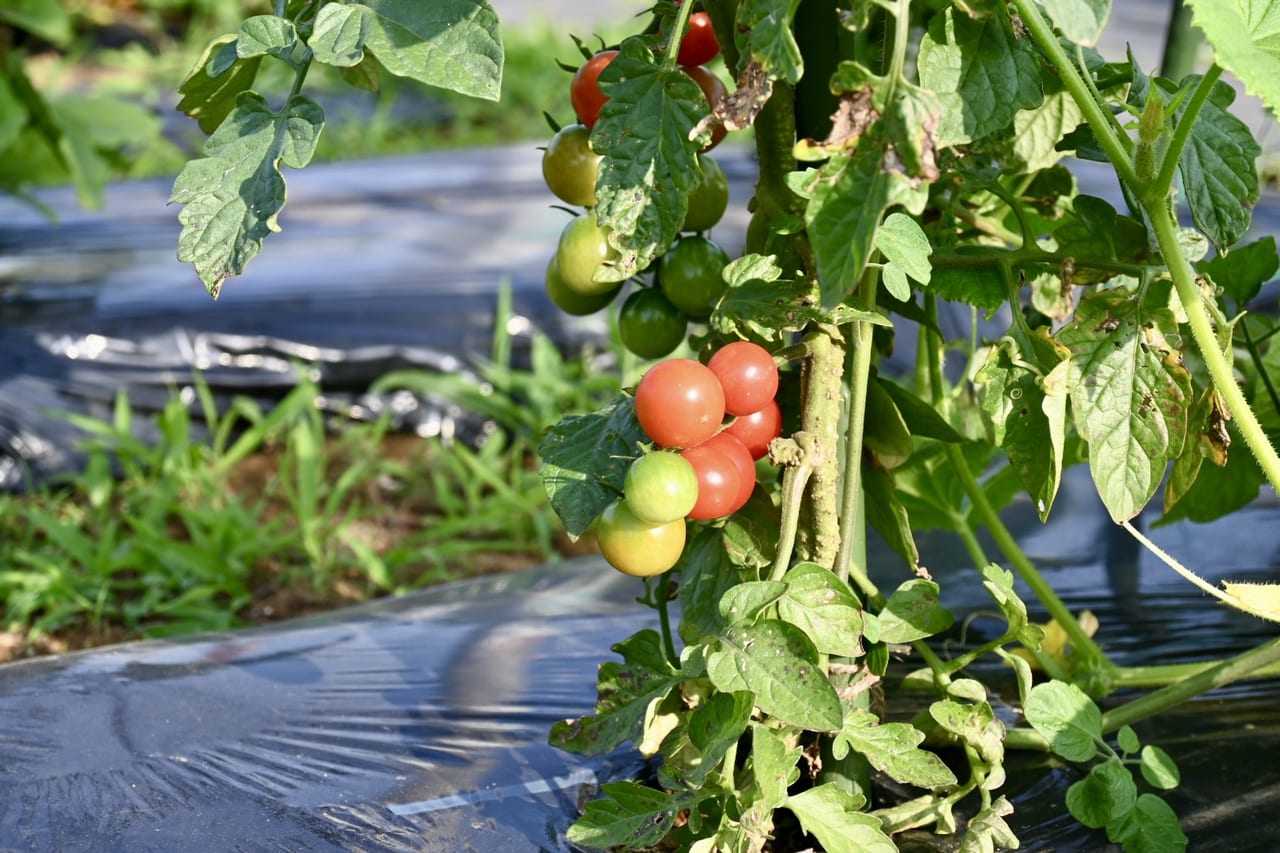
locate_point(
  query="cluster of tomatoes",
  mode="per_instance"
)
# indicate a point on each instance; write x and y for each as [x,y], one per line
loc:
[700,467]
[685,283]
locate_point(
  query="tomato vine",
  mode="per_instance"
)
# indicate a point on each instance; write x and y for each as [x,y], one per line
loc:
[938,182]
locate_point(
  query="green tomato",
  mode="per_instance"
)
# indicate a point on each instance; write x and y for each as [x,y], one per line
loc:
[570,167]
[584,246]
[690,275]
[709,198]
[650,326]
[660,487]
[635,547]
[571,302]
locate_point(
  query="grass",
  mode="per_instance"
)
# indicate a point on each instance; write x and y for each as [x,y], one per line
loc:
[244,515]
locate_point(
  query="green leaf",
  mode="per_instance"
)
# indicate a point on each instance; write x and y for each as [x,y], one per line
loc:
[1152,827]
[778,663]
[848,196]
[626,692]
[773,765]
[208,97]
[1081,21]
[751,533]
[892,748]
[1159,769]
[1129,394]
[830,814]
[451,44]
[1105,796]
[903,242]
[745,602]
[1096,230]
[981,73]
[706,575]
[1219,167]
[234,193]
[921,418]
[1037,132]
[1127,740]
[584,461]
[1245,36]
[630,814]
[976,725]
[714,727]
[13,114]
[887,515]
[913,612]
[998,583]
[885,432]
[1216,490]
[988,831]
[1066,717]
[1027,423]
[265,35]
[758,304]
[764,32]
[824,607]
[49,21]
[982,287]
[338,35]
[649,164]
[1242,272]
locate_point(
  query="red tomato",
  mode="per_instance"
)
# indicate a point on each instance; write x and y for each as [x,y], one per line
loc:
[679,403]
[699,44]
[748,375]
[584,90]
[741,456]
[757,429]
[718,482]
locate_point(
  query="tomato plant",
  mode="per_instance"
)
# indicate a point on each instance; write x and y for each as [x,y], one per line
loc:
[570,167]
[636,547]
[679,403]
[661,487]
[911,156]
[649,325]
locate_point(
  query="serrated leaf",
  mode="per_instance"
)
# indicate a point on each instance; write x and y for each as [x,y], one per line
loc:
[764,32]
[778,663]
[745,602]
[773,765]
[1245,36]
[705,576]
[1219,167]
[1037,132]
[1158,768]
[337,38]
[1106,795]
[751,533]
[892,748]
[584,461]
[913,612]
[921,418]
[901,239]
[1129,395]
[1095,229]
[451,44]
[233,194]
[831,815]
[976,725]
[626,692]
[998,583]
[1151,827]
[1242,272]
[713,728]
[265,35]
[824,607]
[981,286]
[988,831]
[981,73]
[1066,717]
[1081,21]
[208,97]
[649,164]
[629,814]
